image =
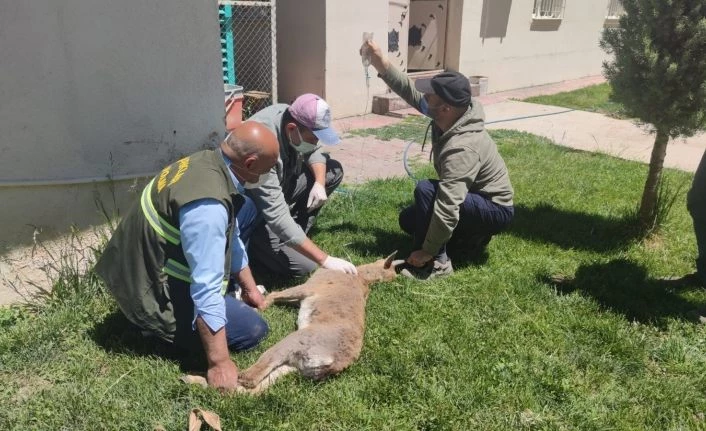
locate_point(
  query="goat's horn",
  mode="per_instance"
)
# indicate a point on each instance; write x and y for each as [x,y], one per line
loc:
[388,259]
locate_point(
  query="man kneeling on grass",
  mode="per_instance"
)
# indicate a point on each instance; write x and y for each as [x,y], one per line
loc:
[472,199]
[169,262]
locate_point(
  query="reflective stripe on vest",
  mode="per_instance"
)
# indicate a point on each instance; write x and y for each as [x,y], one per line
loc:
[161,226]
[171,234]
[182,272]
[177,270]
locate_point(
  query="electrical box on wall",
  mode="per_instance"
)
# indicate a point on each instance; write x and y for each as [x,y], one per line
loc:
[398,30]
[427,34]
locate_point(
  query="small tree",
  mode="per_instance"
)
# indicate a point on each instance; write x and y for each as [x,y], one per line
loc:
[658,72]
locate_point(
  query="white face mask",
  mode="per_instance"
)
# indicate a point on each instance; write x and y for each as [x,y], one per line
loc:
[304,147]
[261,179]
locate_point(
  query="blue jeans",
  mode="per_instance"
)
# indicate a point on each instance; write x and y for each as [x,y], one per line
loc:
[479,216]
[245,328]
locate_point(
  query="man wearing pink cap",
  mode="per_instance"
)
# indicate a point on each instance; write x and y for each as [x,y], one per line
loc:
[291,195]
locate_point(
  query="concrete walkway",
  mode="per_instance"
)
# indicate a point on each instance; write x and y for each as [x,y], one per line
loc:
[367,158]
[594,132]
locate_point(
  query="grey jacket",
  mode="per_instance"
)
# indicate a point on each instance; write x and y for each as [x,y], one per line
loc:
[269,197]
[466,160]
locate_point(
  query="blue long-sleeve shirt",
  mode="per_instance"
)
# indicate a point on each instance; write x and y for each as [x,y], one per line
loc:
[203,224]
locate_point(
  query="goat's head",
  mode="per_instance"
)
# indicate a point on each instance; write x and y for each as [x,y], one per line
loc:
[380,270]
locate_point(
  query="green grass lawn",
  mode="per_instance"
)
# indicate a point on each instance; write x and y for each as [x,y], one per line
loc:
[595,98]
[564,324]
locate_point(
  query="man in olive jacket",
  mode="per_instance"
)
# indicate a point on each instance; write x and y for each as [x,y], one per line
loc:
[473,197]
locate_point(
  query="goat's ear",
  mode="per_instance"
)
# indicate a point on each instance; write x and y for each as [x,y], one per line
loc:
[388,259]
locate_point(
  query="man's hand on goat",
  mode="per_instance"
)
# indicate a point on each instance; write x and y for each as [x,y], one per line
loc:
[223,375]
[419,258]
[254,297]
[338,264]
[317,197]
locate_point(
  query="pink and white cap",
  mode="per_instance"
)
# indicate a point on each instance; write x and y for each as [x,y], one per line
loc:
[313,112]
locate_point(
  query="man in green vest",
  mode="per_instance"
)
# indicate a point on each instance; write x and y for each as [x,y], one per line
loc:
[169,262]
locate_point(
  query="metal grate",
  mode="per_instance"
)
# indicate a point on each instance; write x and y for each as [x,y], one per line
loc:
[249,50]
[548,9]
[615,9]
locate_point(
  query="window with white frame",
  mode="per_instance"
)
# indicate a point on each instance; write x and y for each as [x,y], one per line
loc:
[615,9]
[548,9]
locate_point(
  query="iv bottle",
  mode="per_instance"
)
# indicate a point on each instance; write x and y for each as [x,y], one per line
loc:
[366,52]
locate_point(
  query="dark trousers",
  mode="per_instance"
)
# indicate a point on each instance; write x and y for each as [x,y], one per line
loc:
[480,218]
[696,204]
[266,252]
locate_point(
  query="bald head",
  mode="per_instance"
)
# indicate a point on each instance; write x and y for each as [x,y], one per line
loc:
[253,150]
[251,138]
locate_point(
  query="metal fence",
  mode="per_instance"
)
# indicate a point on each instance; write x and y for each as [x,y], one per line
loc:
[548,9]
[249,50]
[615,9]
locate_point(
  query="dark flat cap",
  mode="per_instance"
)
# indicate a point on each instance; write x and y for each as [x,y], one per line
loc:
[451,86]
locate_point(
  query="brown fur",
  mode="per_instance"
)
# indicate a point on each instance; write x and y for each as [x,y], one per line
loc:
[330,325]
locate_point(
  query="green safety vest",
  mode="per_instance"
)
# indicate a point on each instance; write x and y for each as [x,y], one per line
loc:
[144,266]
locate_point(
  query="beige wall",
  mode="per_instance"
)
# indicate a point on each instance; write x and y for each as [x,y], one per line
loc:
[346,89]
[301,43]
[525,57]
[317,51]
[95,89]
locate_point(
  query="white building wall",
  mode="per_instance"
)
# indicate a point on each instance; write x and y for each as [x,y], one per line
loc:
[96,89]
[346,88]
[530,53]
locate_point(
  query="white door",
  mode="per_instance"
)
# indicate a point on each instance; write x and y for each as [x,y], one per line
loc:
[398,28]
[427,34]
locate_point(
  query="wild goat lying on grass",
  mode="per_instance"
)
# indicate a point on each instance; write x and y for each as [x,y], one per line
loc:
[330,325]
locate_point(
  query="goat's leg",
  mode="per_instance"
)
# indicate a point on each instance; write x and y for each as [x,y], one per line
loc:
[265,383]
[293,295]
[275,358]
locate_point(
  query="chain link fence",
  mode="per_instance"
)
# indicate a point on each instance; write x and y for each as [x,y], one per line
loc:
[249,50]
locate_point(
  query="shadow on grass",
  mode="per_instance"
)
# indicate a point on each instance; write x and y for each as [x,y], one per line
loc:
[569,229]
[623,287]
[118,335]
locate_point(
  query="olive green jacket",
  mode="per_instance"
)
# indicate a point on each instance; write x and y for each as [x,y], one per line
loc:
[466,160]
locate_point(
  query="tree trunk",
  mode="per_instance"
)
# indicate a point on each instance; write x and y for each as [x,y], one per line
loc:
[648,206]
